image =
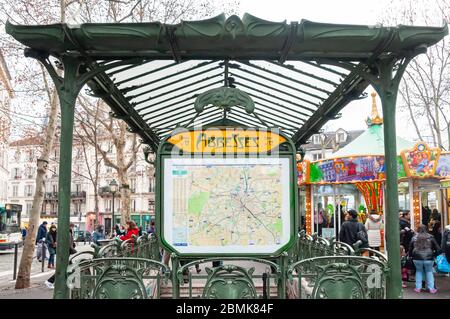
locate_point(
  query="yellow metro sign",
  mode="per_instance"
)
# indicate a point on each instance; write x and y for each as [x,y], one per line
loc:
[229,140]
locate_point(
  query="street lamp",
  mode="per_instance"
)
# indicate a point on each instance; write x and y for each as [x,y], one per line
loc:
[113,189]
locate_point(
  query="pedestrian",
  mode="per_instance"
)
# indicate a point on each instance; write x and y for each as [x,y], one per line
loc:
[24,233]
[40,239]
[140,231]
[50,282]
[423,249]
[98,234]
[445,243]
[435,225]
[319,218]
[426,212]
[353,232]
[131,230]
[374,225]
[50,240]
[406,233]
[152,229]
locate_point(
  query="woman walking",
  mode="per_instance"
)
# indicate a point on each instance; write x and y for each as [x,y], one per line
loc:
[423,248]
[51,244]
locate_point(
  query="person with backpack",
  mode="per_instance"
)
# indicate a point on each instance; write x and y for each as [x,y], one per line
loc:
[352,231]
[423,249]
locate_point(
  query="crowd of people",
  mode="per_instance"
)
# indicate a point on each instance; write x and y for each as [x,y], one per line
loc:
[419,247]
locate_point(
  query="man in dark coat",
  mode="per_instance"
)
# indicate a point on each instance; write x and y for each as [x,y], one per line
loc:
[40,238]
[350,228]
[42,232]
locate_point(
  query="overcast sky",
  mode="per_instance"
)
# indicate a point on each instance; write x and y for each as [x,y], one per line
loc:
[366,12]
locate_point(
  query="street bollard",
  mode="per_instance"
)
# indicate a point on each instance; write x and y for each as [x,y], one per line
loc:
[43,255]
[16,246]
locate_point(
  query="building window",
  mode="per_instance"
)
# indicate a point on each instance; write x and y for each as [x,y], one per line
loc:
[340,136]
[15,190]
[16,173]
[17,155]
[30,155]
[78,188]
[133,185]
[28,190]
[151,205]
[108,169]
[55,188]
[151,187]
[30,172]
[316,139]
[317,156]
[134,205]
[29,207]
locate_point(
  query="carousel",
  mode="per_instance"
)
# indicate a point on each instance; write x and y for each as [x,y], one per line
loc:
[354,177]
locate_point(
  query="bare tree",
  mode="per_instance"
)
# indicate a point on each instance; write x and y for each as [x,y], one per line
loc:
[115,135]
[425,89]
[32,81]
[87,133]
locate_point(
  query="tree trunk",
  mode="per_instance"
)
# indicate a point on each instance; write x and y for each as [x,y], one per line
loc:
[23,277]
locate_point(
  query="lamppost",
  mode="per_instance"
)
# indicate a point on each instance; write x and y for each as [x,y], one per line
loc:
[113,189]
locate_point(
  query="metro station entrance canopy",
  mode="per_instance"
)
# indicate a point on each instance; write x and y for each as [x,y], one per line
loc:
[294,77]
[150,73]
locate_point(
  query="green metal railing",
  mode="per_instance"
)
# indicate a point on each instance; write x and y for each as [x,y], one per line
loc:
[332,269]
[121,269]
[116,278]
[339,277]
[321,268]
[230,281]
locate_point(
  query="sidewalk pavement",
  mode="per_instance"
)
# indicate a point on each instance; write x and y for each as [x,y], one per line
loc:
[442,282]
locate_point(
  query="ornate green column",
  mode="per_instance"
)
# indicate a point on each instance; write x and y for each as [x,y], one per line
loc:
[387,88]
[68,90]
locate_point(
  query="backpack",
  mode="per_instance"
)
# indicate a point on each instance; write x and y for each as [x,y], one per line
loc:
[362,236]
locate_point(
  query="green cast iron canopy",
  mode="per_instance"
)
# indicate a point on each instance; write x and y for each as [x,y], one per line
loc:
[294,76]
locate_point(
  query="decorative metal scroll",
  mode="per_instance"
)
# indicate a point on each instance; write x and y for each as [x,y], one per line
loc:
[225,98]
[229,282]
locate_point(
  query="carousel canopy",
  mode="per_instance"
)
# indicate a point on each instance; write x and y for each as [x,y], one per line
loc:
[371,142]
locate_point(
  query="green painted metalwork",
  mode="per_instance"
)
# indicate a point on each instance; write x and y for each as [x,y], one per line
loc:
[165,151]
[122,269]
[220,36]
[339,277]
[229,282]
[116,278]
[225,98]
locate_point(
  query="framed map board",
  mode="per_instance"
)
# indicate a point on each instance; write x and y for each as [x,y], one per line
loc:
[222,205]
[227,205]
